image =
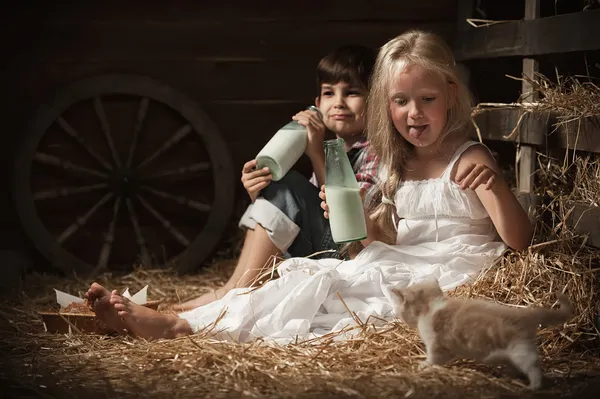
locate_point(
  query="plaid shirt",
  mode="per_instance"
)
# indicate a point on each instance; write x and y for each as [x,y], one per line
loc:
[364,164]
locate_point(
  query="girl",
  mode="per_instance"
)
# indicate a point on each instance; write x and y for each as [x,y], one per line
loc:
[443,203]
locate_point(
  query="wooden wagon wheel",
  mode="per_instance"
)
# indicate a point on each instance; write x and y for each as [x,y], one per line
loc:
[119,169]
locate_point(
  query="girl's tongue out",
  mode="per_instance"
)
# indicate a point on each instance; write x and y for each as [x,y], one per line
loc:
[416,131]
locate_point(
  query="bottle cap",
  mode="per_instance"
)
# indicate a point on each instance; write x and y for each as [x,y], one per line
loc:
[314,108]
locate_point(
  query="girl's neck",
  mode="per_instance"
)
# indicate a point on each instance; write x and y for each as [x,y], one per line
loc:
[438,150]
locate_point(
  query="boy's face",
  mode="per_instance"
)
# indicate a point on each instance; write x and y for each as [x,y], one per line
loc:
[343,108]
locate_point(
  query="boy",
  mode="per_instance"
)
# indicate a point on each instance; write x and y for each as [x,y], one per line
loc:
[285,215]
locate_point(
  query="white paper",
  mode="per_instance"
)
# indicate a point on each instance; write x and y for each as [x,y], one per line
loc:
[140,296]
[64,299]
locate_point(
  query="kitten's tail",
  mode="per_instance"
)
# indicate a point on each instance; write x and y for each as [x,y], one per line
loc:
[551,317]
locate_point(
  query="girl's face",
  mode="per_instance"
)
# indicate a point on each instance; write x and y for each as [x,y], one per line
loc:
[418,101]
[343,108]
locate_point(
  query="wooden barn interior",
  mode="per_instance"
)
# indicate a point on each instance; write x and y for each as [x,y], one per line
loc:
[127,123]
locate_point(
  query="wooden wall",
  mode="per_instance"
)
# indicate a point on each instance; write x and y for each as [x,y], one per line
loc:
[250,65]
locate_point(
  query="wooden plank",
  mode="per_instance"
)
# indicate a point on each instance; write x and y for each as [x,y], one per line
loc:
[194,12]
[464,11]
[560,34]
[212,41]
[526,165]
[526,154]
[499,124]
[582,134]
[586,220]
[223,82]
[538,129]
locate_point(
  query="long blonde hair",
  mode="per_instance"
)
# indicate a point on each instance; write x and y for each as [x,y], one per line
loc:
[426,50]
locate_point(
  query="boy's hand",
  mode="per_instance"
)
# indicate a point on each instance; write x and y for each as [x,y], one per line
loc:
[316,132]
[324,205]
[255,180]
[475,175]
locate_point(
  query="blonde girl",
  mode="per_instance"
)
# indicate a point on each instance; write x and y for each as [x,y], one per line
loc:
[418,115]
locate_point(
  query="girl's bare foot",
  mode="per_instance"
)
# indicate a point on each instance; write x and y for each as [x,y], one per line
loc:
[148,323]
[202,300]
[99,298]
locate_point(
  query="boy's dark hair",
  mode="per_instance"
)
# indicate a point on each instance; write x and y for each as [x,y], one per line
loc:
[351,64]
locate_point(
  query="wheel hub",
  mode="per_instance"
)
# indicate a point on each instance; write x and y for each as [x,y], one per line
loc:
[124,183]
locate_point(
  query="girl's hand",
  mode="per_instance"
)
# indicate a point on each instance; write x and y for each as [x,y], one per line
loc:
[371,228]
[255,180]
[324,205]
[476,175]
[316,132]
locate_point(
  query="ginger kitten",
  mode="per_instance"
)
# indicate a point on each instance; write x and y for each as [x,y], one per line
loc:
[477,329]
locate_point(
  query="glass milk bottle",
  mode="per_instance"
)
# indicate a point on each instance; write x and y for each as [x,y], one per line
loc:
[346,214]
[285,148]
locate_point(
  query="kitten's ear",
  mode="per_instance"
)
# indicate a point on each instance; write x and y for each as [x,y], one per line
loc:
[398,293]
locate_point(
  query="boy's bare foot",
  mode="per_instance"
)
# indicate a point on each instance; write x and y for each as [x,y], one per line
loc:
[148,323]
[202,300]
[99,298]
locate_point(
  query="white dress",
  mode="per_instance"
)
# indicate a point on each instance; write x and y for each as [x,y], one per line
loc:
[443,232]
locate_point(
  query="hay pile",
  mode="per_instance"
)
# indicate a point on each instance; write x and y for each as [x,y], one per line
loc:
[569,98]
[378,362]
[572,105]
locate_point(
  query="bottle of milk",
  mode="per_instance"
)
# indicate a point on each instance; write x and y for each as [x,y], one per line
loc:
[285,148]
[346,214]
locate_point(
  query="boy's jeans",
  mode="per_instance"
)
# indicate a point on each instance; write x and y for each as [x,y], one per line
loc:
[290,211]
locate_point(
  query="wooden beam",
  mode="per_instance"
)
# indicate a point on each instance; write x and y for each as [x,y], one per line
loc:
[526,154]
[174,42]
[194,13]
[586,220]
[530,65]
[580,134]
[512,124]
[464,11]
[538,129]
[560,34]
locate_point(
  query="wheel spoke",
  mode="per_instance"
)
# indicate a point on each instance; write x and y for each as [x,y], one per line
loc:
[66,165]
[109,237]
[73,134]
[179,172]
[83,219]
[106,129]
[137,128]
[138,233]
[165,222]
[171,141]
[179,199]
[66,191]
